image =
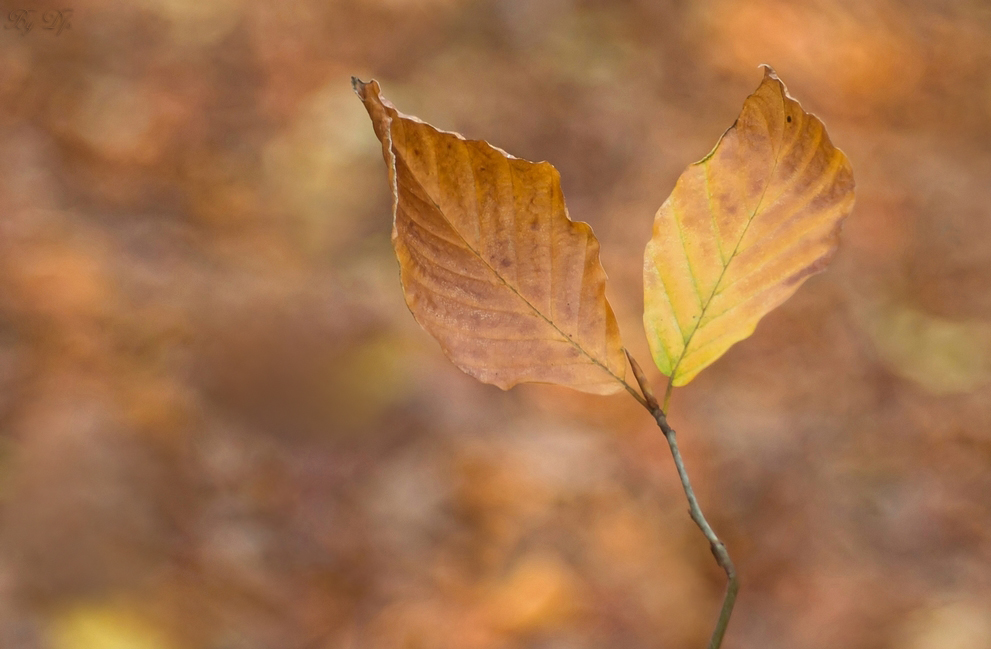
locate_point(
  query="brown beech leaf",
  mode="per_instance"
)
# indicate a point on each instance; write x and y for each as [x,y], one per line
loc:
[743,228]
[490,263]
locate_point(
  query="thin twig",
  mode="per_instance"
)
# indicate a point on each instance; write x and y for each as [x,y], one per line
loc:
[717,546]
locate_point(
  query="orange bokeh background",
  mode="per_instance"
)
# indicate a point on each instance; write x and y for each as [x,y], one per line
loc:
[221,428]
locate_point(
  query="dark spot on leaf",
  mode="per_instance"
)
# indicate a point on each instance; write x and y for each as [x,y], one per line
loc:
[505,263]
[789,118]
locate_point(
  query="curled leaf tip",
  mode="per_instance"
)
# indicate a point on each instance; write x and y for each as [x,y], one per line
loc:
[361,87]
[769,72]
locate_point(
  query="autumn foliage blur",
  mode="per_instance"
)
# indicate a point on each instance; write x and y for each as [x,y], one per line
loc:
[221,428]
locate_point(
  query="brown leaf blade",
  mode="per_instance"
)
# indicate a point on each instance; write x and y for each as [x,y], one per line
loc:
[743,228]
[491,265]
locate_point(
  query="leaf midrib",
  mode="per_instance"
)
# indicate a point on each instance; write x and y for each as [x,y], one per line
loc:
[567,337]
[726,265]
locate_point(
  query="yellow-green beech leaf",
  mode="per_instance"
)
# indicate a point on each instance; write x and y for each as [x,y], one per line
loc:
[490,263]
[741,231]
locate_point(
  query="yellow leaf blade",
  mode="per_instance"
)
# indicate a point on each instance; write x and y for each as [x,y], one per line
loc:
[491,265]
[743,228]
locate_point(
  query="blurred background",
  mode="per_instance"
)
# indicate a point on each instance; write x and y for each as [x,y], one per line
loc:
[220,427]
